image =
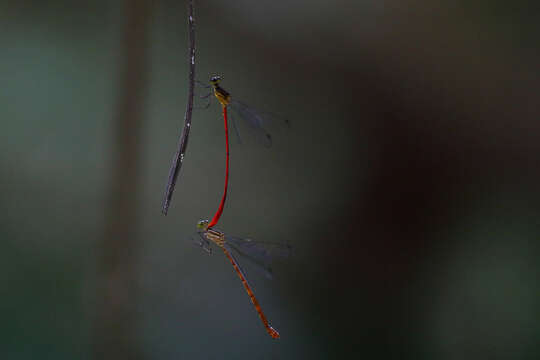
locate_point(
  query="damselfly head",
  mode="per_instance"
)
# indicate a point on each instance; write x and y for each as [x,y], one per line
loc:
[202,225]
[214,80]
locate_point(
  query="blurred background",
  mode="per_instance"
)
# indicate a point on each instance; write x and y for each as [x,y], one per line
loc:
[408,183]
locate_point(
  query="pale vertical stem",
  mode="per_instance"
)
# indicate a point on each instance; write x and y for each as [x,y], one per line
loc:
[114,334]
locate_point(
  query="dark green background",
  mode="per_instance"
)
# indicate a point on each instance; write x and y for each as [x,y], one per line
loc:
[408,183]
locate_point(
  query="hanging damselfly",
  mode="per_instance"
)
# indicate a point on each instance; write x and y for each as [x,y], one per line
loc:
[259,122]
[255,121]
[260,255]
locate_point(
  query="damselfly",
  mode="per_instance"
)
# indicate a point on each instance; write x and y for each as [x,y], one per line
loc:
[256,121]
[259,122]
[259,253]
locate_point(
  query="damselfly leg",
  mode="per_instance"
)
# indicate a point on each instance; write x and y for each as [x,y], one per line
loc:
[207,96]
[200,240]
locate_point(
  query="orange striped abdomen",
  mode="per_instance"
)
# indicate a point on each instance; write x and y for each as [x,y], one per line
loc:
[273,333]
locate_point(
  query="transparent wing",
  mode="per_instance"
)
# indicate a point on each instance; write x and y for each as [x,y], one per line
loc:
[259,253]
[258,122]
[232,119]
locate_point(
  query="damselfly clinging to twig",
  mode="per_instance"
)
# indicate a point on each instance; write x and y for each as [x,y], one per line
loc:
[257,122]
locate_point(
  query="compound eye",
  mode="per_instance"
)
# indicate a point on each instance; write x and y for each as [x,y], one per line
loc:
[202,224]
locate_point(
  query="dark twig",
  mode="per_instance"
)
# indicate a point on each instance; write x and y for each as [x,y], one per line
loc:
[182,145]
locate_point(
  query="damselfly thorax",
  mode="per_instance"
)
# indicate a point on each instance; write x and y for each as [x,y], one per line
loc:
[217,237]
[220,93]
